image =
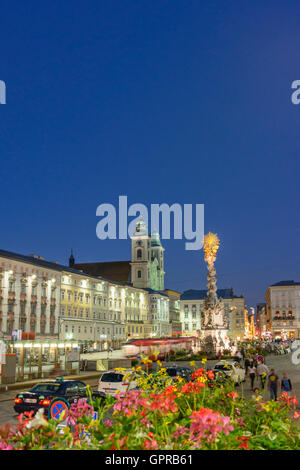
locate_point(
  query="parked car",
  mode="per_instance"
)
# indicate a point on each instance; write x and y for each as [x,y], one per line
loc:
[45,394]
[112,381]
[225,370]
[177,371]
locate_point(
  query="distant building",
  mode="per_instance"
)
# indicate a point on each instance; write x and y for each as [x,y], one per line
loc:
[174,310]
[261,319]
[283,309]
[29,295]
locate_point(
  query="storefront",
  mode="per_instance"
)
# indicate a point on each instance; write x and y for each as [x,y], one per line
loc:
[284,334]
[37,359]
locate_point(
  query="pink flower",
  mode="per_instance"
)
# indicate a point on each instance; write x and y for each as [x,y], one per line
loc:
[129,401]
[108,423]
[5,446]
[232,395]
[207,424]
[151,445]
[78,410]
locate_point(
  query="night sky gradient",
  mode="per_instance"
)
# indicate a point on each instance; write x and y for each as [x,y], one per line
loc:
[162,101]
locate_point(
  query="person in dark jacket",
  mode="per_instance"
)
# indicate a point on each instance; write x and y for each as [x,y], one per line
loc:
[286,385]
[273,382]
[247,364]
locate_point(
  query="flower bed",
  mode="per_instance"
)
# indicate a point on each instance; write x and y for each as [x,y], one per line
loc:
[165,414]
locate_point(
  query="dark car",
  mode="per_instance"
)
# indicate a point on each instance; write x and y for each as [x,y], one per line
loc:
[177,371]
[44,394]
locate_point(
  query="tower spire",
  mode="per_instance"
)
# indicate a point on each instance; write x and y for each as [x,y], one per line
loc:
[71,259]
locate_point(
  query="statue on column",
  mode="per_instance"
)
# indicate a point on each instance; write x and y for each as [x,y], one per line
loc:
[214,321]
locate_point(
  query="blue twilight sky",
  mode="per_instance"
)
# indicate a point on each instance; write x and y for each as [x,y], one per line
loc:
[162,101]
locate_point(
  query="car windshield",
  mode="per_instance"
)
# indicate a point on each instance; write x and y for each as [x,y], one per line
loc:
[223,367]
[42,388]
[111,377]
[172,372]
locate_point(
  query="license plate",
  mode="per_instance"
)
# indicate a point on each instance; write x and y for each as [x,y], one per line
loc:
[30,400]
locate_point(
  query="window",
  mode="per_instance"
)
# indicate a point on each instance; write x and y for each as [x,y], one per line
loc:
[45,388]
[72,388]
[139,253]
[139,274]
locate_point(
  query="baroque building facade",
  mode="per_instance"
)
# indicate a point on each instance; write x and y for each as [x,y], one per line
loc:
[29,295]
[283,309]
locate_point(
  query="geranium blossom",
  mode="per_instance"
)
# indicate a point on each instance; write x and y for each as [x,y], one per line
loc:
[208,424]
[78,410]
[192,387]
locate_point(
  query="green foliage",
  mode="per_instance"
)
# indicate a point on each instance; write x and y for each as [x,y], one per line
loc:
[165,414]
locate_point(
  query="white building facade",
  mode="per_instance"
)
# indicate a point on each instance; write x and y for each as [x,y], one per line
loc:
[283,309]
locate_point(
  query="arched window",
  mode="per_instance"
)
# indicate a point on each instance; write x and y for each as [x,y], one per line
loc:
[139,253]
[139,274]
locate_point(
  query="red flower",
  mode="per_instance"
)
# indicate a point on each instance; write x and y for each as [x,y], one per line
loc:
[192,387]
[232,395]
[165,404]
[245,442]
[210,375]
[198,373]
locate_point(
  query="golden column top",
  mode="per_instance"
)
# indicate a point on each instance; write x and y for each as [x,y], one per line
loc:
[211,246]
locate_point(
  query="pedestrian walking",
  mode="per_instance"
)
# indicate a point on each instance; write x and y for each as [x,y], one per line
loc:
[238,356]
[262,371]
[273,382]
[247,365]
[252,375]
[286,385]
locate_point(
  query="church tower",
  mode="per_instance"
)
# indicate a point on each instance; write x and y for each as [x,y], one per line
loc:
[140,244]
[157,262]
[71,260]
[147,258]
